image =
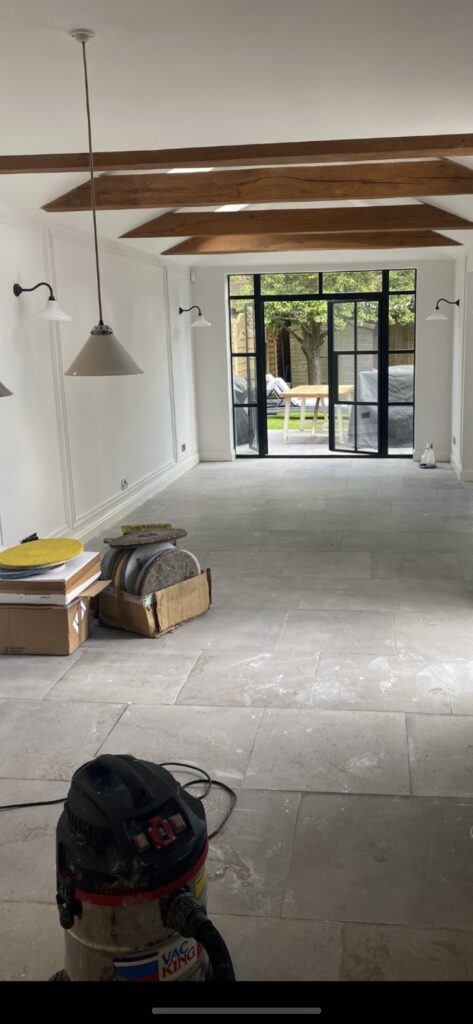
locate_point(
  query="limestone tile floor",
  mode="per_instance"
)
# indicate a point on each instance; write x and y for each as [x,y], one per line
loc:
[331,684]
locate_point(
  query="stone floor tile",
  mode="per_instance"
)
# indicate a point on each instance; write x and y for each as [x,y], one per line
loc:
[383,683]
[267,680]
[444,637]
[333,631]
[248,861]
[330,751]
[385,953]
[441,755]
[382,859]
[285,950]
[217,739]
[31,940]
[144,678]
[28,840]
[50,739]
[33,677]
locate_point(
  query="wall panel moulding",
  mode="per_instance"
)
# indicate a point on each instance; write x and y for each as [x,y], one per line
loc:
[270,185]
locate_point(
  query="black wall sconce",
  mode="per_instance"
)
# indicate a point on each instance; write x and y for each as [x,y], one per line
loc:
[52,310]
[437,315]
[199,320]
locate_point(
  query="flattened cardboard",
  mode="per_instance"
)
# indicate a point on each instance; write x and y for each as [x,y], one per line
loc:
[156,613]
[49,597]
[47,629]
[61,581]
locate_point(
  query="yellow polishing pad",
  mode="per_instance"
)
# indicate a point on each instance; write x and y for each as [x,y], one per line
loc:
[37,553]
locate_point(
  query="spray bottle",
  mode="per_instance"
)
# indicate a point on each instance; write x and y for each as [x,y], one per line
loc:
[428,459]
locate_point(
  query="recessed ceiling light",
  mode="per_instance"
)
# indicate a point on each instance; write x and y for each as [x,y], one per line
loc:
[231,207]
[190,170]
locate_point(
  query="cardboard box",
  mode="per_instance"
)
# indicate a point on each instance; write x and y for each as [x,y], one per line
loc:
[159,612]
[47,629]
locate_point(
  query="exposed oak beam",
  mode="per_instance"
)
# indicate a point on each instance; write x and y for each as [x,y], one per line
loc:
[260,222]
[405,147]
[271,185]
[231,244]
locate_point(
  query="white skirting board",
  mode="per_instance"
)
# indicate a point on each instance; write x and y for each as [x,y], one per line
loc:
[135,495]
[225,456]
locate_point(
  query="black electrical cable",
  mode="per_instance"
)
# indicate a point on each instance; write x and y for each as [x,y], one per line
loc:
[206,780]
[210,783]
[34,803]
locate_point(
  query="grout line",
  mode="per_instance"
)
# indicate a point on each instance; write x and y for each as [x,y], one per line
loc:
[409,768]
[99,748]
[461,801]
[291,853]
[82,652]
[252,747]
[435,713]
[347,922]
[343,925]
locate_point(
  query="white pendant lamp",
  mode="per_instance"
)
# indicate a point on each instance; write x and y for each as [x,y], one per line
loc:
[51,311]
[199,320]
[437,315]
[102,354]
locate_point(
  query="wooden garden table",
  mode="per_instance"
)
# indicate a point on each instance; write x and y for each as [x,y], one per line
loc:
[314,391]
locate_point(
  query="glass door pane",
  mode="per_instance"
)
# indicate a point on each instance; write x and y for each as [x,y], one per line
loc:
[296,355]
[354,385]
[244,376]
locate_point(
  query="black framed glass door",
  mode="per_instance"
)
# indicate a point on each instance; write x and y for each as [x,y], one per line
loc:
[342,343]
[354,378]
[244,363]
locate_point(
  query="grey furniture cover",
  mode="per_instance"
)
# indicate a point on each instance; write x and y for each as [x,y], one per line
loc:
[245,418]
[400,389]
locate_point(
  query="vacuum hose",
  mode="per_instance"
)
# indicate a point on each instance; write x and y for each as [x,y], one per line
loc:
[186,915]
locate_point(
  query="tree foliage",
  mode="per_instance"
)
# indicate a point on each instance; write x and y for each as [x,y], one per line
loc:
[307,320]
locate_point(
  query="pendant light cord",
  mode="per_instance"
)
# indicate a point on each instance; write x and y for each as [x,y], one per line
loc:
[92,183]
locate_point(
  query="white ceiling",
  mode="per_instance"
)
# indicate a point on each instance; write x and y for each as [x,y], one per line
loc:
[176,73]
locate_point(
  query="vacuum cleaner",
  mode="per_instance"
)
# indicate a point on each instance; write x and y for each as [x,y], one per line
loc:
[131,878]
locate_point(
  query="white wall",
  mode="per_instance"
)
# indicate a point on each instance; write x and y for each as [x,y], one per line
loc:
[212,367]
[182,361]
[458,323]
[435,278]
[434,342]
[66,443]
[464,382]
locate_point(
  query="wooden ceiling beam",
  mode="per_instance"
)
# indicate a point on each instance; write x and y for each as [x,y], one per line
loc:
[404,147]
[231,244]
[260,222]
[270,185]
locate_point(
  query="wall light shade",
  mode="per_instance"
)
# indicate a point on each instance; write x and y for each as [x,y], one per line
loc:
[199,320]
[4,392]
[102,356]
[437,315]
[51,311]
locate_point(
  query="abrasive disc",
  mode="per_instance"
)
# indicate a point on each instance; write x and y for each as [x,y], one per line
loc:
[118,566]
[133,540]
[41,553]
[108,563]
[167,569]
[139,557]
